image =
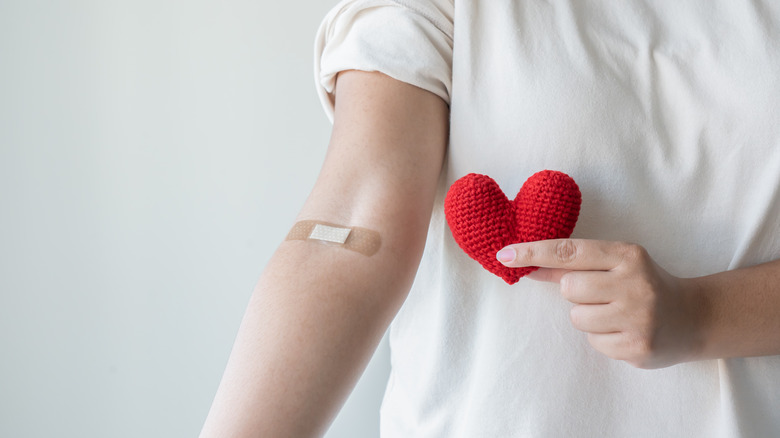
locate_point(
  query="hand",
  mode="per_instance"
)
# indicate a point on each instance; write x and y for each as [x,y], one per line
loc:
[630,308]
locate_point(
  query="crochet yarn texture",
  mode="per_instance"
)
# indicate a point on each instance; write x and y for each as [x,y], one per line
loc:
[483,220]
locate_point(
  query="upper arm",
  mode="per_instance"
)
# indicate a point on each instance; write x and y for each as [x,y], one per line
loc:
[383,161]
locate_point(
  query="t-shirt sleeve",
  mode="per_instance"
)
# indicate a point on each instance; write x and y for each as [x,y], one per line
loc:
[408,40]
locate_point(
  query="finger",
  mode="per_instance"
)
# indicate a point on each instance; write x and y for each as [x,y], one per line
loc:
[589,287]
[571,254]
[636,351]
[612,345]
[594,318]
[547,274]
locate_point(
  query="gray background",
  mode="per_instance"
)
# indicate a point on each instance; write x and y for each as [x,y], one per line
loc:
[153,153]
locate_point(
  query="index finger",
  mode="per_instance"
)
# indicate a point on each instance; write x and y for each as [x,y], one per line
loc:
[571,254]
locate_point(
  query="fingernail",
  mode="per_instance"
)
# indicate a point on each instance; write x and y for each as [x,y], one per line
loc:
[506,255]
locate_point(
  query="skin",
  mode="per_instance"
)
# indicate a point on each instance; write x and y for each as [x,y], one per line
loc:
[633,310]
[319,311]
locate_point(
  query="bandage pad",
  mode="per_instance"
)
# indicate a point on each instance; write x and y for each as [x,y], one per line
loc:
[356,239]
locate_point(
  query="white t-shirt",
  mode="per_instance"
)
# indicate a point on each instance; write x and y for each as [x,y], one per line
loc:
[666,113]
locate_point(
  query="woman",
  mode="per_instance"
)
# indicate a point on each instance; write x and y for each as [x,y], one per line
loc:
[664,112]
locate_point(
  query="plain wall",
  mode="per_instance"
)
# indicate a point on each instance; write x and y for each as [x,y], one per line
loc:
[153,153]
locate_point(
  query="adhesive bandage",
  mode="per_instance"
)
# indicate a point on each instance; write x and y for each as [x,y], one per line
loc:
[356,239]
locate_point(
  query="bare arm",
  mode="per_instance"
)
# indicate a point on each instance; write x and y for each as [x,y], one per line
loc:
[739,311]
[318,311]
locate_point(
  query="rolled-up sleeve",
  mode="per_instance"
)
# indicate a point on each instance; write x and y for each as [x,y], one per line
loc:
[408,40]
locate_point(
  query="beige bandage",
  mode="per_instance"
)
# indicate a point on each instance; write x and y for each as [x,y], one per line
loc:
[355,239]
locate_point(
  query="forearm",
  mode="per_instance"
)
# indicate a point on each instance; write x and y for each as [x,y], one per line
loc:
[312,324]
[739,312]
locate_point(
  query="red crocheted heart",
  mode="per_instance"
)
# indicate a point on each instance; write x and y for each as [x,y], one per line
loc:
[483,220]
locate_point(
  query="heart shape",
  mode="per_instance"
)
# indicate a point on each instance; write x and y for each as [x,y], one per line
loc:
[483,220]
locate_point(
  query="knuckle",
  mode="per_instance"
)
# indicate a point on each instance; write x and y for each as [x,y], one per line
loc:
[641,349]
[566,251]
[633,252]
[649,299]
[525,256]
[576,317]
[567,284]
